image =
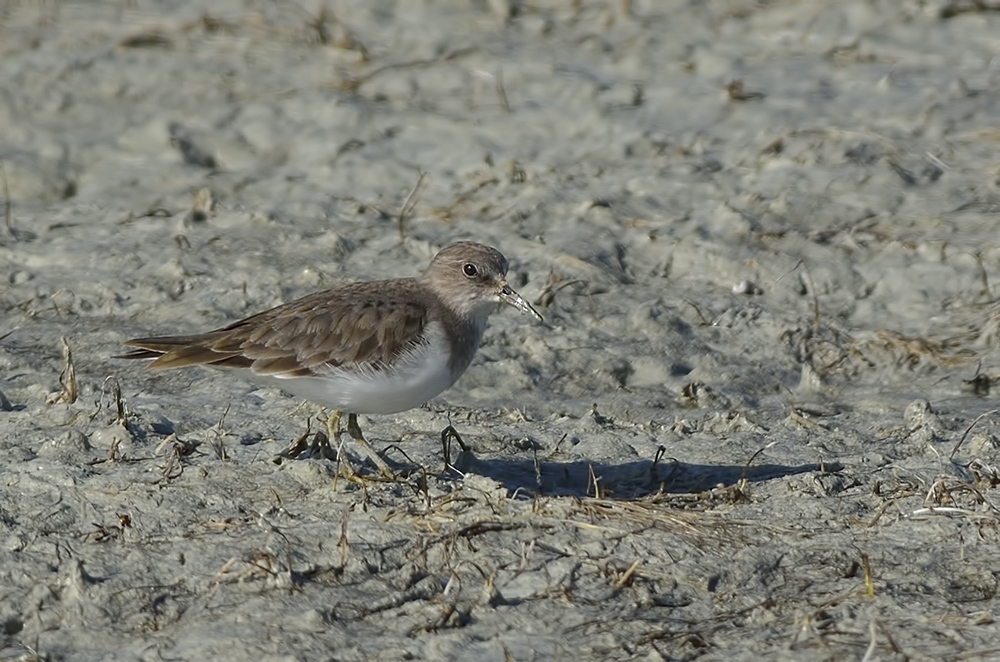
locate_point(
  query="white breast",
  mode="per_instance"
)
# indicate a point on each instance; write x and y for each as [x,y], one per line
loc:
[413,380]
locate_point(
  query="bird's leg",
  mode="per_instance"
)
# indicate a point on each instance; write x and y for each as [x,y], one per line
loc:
[355,431]
[333,425]
[333,432]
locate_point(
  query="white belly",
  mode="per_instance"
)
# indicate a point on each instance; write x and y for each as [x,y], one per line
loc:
[415,379]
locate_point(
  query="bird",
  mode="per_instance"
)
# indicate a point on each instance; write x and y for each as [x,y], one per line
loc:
[375,347]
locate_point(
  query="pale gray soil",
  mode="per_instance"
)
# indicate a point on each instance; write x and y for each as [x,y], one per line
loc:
[827,484]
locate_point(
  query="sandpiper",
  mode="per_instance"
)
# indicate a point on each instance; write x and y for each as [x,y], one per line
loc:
[378,347]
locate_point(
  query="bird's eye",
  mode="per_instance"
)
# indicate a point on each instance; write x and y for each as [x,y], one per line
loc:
[470,270]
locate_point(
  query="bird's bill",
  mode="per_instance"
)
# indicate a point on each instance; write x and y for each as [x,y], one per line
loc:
[509,296]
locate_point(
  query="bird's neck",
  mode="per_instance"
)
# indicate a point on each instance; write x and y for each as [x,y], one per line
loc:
[465,335]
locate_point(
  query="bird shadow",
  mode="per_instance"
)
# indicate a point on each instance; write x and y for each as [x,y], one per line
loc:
[628,480]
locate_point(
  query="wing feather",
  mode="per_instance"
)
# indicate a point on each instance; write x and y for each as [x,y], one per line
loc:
[363,326]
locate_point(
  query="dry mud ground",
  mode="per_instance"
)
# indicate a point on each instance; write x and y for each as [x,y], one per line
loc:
[757,423]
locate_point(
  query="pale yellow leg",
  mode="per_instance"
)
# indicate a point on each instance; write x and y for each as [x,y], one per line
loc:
[302,447]
[333,425]
[333,432]
[355,431]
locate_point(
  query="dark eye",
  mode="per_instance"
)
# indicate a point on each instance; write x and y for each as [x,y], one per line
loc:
[470,270]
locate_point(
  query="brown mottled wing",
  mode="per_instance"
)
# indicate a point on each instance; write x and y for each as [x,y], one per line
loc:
[350,326]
